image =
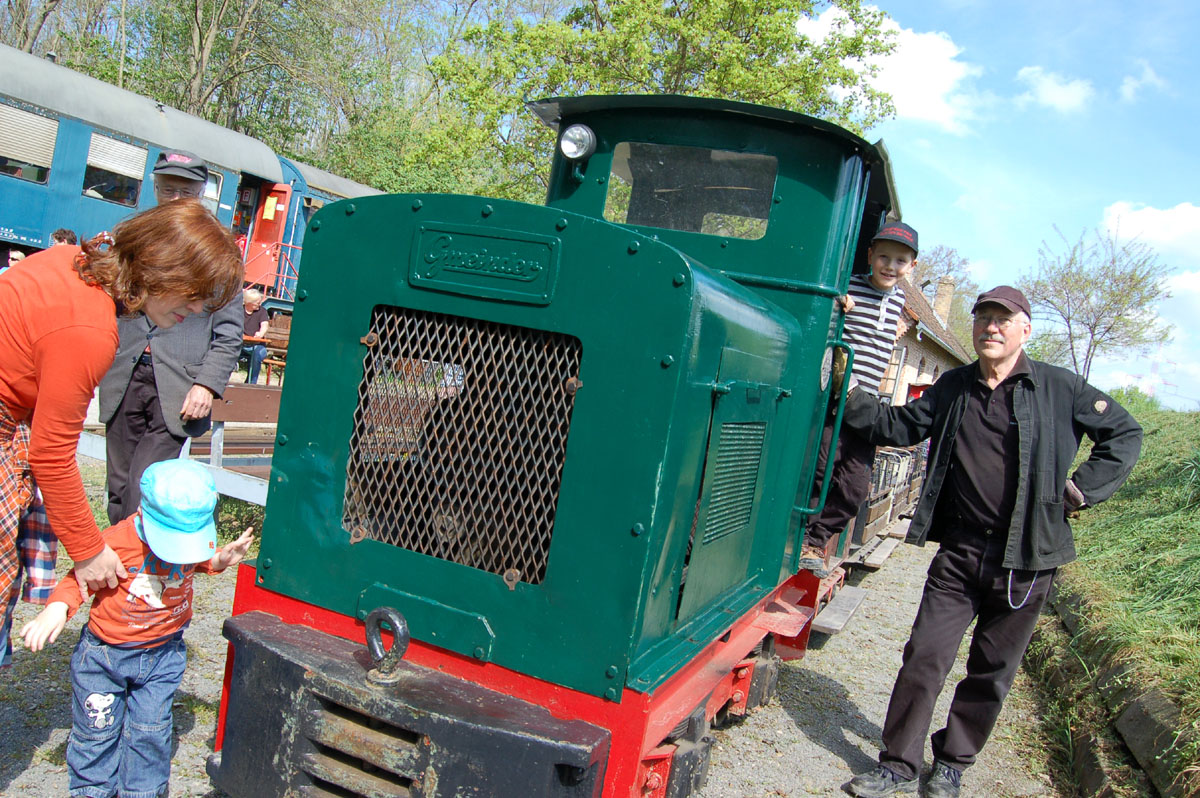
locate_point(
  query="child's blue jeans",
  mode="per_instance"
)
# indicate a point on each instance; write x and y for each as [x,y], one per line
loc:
[121,734]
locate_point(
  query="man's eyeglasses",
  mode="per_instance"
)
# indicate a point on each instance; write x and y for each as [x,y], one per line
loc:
[168,192]
[1002,322]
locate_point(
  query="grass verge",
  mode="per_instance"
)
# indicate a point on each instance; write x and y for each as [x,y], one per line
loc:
[1138,574]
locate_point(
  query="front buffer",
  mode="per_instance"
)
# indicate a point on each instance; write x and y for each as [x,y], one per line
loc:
[307,710]
[337,732]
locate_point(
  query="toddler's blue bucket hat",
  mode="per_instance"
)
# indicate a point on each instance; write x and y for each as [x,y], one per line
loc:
[178,499]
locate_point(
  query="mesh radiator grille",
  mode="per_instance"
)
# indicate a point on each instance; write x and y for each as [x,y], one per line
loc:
[739,451]
[459,439]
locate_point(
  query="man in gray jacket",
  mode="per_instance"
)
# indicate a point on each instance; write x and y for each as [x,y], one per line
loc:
[160,388]
[1003,434]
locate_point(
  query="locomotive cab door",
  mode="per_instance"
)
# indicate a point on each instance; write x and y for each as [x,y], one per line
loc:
[263,245]
[745,404]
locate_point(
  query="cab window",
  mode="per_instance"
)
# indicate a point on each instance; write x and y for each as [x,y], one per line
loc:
[692,189]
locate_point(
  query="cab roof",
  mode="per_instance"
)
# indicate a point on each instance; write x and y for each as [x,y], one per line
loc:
[554,111]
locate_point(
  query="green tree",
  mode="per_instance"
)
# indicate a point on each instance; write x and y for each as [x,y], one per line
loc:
[1097,295]
[22,21]
[747,50]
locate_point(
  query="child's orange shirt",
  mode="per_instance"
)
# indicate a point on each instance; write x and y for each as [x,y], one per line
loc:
[58,337]
[149,606]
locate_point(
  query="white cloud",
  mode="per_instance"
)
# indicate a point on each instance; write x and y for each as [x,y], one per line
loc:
[923,74]
[1173,232]
[981,272]
[1185,284]
[1145,383]
[1053,90]
[1132,85]
[927,80]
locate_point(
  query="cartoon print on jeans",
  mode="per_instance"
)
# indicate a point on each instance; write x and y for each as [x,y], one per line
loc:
[149,588]
[97,706]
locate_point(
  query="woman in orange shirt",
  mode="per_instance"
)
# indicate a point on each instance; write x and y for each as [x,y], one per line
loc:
[58,336]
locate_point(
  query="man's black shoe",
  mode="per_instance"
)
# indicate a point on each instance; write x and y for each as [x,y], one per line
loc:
[879,783]
[943,782]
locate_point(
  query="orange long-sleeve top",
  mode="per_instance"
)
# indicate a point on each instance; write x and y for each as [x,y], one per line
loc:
[58,337]
[148,606]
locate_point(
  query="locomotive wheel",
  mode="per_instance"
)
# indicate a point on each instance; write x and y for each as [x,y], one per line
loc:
[763,684]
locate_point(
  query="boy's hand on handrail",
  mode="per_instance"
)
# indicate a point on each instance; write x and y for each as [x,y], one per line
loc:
[847,303]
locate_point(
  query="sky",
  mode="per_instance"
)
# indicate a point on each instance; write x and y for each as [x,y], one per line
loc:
[1019,122]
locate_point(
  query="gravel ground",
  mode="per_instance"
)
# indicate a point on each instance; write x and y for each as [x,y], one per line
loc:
[823,727]
[825,724]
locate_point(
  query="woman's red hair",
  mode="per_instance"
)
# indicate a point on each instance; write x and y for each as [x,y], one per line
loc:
[175,249]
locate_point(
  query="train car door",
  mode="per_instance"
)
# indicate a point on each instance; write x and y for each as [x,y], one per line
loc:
[266,234]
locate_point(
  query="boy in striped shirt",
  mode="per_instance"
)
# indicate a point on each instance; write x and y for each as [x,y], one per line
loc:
[873,305]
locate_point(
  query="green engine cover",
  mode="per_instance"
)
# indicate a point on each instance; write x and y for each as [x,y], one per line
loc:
[555,442]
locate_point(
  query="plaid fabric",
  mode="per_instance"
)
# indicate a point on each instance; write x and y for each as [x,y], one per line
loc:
[39,552]
[26,540]
[16,495]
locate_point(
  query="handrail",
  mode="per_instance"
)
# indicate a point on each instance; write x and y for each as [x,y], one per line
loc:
[833,440]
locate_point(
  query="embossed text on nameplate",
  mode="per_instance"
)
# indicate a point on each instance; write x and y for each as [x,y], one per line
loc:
[485,262]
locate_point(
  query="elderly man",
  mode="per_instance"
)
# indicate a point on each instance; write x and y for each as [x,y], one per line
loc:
[1003,433]
[160,388]
[254,325]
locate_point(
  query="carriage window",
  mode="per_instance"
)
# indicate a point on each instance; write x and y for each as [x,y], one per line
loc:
[26,144]
[103,184]
[114,170]
[694,189]
[212,191]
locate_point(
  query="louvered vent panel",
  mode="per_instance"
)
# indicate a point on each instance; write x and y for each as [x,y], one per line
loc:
[739,452]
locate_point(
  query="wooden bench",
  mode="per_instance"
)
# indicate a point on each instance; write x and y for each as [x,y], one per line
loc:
[279,330]
[246,453]
[240,458]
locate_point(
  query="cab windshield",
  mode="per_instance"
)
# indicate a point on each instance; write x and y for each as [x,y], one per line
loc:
[692,189]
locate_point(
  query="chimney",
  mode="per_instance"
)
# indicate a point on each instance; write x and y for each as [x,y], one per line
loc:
[942,298]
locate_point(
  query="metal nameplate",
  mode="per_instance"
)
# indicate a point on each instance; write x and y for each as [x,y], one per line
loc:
[507,265]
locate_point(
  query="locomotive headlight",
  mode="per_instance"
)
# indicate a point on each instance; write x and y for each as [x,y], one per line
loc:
[826,368]
[577,142]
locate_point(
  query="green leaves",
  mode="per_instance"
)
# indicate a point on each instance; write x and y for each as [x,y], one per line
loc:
[747,50]
[426,95]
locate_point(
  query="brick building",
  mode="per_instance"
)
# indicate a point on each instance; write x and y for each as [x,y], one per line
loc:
[926,348]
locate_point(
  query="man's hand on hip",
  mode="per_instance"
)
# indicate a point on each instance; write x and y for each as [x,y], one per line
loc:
[1073,499]
[197,404]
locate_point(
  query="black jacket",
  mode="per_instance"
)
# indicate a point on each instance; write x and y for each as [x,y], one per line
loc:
[1054,408]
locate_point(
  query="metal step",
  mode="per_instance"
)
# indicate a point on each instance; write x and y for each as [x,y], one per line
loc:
[839,610]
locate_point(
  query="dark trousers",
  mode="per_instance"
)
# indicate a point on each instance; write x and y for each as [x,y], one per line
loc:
[966,579]
[136,436]
[849,485]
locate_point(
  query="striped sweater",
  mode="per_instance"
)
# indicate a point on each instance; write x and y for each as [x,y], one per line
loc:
[870,329]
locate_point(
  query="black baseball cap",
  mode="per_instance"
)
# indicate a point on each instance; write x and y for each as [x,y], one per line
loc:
[1006,297]
[898,232]
[181,164]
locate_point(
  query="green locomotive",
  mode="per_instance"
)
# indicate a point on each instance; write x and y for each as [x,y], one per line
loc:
[559,457]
